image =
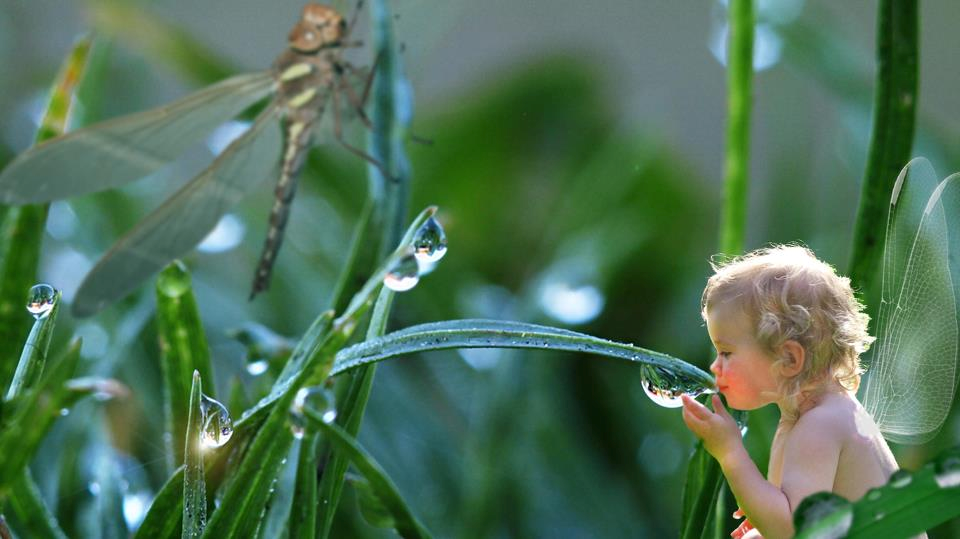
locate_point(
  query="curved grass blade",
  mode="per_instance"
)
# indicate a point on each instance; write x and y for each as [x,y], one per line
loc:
[303,517]
[406,524]
[33,358]
[183,350]
[194,483]
[908,504]
[31,516]
[163,519]
[185,218]
[500,334]
[30,415]
[276,516]
[115,152]
[21,232]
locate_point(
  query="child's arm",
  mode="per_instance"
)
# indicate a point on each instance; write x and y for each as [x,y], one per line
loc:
[768,507]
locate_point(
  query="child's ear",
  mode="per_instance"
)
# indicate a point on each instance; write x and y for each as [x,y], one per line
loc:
[792,358]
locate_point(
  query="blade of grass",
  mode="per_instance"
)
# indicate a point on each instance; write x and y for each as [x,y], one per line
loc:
[894,114]
[30,514]
[303,518]
[183,350]
[21,233]
[163,519]
[194,483]
[406,524]
[33,358]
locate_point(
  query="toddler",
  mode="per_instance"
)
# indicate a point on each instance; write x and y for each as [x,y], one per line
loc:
[788,331]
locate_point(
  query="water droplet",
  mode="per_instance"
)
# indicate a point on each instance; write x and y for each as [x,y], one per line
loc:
[404,275]
[947,471]
[174,280]
[319,400]
[900,479]
[40,300]
[256,368]
[665,388]
[874,494]
[430,243]
[826,515]
[217,425]
[135,508]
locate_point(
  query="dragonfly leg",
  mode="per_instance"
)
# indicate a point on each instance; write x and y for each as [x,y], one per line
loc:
[359,103]
[338,134]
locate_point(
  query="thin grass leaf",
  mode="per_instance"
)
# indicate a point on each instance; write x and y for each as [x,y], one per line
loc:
[22,229]
[183,350]
[908,504]
[163,519]
[28,417]
[503,334]
[33,358]
[303,517]
[194,483]
[894,117]
[386,491]
[30,515]
[278,511]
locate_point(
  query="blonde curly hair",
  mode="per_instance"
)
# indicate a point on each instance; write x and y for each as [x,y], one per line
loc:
[787,293]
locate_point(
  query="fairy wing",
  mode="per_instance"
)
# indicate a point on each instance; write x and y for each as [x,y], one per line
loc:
[114,152]
[911,379]
[185,218]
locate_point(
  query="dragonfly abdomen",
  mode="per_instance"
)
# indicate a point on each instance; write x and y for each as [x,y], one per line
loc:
[298,142]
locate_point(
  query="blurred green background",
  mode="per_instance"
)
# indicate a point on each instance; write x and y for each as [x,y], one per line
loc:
[576,157]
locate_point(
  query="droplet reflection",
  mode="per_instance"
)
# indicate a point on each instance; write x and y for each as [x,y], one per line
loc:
[319,399]
[40,300]
[404,275]
[665,388]
[217,425]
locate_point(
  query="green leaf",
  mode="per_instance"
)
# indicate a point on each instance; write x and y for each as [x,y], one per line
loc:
[194,483]
[33,358]
[32,517]
[277,514]
[183,350]
[303,518]
[907,505]
[163,519]
[503,334]
[383,488]
[22,229]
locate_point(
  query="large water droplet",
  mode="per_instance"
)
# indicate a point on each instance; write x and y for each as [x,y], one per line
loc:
[825,515]
[430,242]
[217,425]
[665,388]
[40,300]
[404,275]
[319,400]
[947,470]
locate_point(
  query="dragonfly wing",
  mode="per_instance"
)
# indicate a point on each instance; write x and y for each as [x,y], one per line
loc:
[118,151]
[912,377]
[185,218]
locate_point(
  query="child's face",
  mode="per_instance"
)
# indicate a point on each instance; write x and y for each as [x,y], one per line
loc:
[743,369]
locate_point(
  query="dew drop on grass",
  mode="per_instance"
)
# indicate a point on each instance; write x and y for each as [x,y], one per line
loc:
[40,300]
[318,399]
[947,471]
[404,275]
[430,242]
[826,515]
[217,425]
[900,479]
[256,368]
[665,388]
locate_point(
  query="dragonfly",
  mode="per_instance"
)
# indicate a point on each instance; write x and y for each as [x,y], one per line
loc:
[912,374]
[309,75]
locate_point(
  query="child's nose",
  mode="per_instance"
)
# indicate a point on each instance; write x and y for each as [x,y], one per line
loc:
[715,367]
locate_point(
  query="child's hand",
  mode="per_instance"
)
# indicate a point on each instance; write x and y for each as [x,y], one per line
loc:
[718,430]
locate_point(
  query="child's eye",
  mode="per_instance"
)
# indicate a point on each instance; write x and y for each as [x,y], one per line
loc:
[724,354]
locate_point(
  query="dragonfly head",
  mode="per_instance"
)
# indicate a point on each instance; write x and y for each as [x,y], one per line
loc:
[319,27]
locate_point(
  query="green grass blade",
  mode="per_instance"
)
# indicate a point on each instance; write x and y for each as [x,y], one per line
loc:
[22,229]
[503,334]
[303,518]
[28,418]
[194,483]
[183,350]
[278,513]
[33,358]
[31,516]
[894,116]
[406,524]
[163,519]
[907,505]
[736,164]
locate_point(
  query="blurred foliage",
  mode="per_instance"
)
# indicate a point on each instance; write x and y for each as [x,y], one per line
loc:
[537,185]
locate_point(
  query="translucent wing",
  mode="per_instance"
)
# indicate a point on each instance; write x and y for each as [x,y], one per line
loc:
[112,153]
[185,218]
[913,373]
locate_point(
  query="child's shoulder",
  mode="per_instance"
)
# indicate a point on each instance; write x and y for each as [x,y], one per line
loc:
[835,414]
